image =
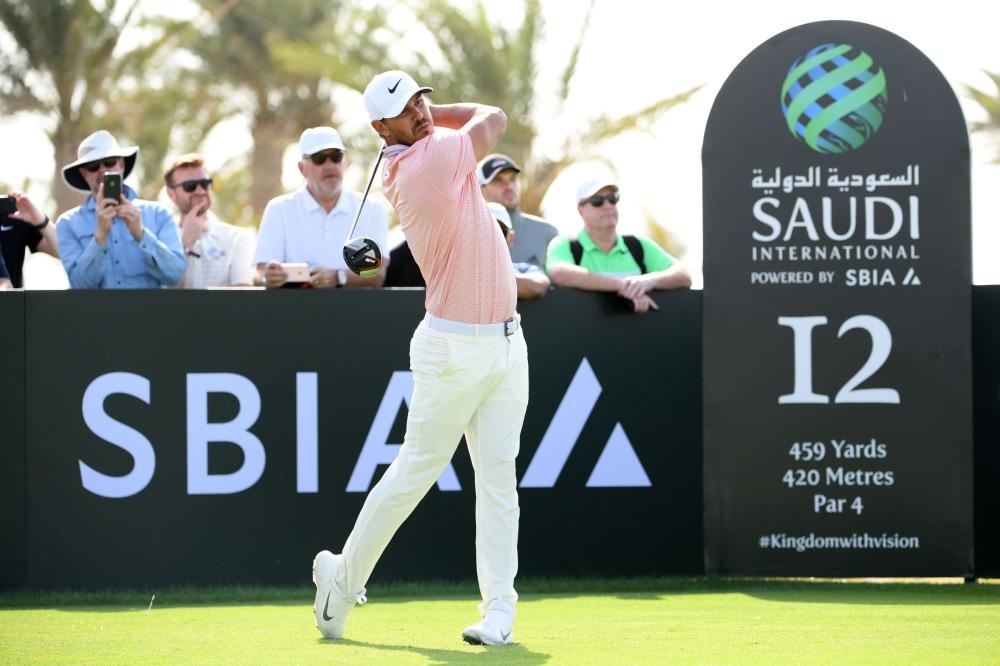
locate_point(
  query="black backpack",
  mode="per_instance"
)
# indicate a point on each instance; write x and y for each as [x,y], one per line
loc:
[631,242]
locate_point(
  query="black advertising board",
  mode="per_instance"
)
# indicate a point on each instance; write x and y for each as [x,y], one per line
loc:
[210,437]
[13,442]
[838,420]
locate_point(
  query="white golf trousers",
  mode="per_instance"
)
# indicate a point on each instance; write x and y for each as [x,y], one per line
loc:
[471,384]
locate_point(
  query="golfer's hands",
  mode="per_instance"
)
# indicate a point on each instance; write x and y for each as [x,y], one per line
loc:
[274,275]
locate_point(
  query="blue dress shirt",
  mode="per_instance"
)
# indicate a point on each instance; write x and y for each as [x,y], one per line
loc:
[155,260]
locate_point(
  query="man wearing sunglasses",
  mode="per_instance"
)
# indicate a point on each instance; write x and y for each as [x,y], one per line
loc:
[601,259]
[108,243]
[218,254]
[310,225]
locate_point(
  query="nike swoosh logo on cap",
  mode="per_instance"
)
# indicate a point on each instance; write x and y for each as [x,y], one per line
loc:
[392,90]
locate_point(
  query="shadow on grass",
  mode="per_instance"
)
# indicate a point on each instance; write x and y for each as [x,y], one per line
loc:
[507,654]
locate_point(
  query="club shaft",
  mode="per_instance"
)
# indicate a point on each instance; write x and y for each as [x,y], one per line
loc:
[350,234]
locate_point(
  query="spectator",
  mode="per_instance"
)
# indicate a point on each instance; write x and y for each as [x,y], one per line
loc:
[601,259]
[311,224]
[403,270]
[500,182]
[115,243]
[218,254]
[4,276]
[25,228]
[532,282]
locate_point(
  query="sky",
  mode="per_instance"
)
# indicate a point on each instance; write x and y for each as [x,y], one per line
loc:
[636,52]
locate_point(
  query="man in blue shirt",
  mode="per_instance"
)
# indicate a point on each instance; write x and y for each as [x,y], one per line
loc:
[115,244]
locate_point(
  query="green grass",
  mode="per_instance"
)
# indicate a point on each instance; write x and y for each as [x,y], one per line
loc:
[645,621]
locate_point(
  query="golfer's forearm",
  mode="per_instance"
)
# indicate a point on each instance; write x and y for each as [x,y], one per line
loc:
[457,116]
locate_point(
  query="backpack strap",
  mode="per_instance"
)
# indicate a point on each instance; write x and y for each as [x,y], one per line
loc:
[635,247]
[631,242]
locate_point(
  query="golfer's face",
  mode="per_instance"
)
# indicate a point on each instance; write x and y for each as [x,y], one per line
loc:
[413,124]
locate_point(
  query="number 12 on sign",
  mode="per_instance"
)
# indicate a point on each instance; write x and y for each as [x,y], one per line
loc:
[802,391]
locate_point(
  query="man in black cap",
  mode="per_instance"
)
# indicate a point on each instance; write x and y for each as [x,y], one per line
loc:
[498,179]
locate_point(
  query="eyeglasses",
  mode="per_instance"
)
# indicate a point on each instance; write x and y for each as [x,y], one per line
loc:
[108,163]
[598,200]
[335,156]
[191,185]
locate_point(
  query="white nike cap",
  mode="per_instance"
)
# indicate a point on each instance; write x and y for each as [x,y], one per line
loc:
[387,94]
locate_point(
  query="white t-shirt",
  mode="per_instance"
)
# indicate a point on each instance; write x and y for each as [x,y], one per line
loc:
[296,228]
[229,262]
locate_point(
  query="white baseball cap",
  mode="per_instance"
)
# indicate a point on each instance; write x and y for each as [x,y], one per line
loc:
[387,94]
[316,139]
[592,186]
[500,214]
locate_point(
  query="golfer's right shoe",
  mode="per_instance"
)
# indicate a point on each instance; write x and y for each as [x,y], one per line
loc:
[496,627]
[332,604]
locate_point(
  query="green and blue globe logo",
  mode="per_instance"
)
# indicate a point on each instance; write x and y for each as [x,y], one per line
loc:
[834,98]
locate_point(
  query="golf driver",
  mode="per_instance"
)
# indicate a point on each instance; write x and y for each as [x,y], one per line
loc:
[362,254]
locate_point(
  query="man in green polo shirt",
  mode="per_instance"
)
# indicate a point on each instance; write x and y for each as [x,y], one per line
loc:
[601,259]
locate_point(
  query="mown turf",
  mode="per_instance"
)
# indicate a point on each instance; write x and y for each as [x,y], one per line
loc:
[661,621]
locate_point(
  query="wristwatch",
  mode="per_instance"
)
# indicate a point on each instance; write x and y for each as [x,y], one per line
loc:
[341,278]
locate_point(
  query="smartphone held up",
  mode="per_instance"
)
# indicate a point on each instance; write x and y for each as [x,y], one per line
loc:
[113,185]
[8,205]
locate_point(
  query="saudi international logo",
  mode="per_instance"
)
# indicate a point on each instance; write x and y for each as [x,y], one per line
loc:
[834,98]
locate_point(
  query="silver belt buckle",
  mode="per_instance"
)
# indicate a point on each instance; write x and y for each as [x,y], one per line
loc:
[510,327]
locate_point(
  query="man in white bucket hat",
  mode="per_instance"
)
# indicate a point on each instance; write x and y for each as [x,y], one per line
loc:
[108,243]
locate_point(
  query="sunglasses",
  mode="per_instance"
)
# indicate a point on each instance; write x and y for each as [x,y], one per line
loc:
[191,185]
[108,163]
[335,156]
[598,200]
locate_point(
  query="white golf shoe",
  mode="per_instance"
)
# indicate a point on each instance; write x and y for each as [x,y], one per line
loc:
[332,604]
[496,627]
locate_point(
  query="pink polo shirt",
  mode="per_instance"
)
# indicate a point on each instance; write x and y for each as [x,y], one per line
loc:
[452,234]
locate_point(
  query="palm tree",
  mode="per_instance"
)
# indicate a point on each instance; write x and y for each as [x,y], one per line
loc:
[497,65]
[279,64]
[990,102]
[64,66]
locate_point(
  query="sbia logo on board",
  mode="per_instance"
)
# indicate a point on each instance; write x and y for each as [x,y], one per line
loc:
[834,98]
[618,465]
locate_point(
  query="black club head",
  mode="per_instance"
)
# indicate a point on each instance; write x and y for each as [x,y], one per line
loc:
[363,256]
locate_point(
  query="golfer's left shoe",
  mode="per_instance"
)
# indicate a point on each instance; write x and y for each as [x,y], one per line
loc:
[496,627]
[332,604]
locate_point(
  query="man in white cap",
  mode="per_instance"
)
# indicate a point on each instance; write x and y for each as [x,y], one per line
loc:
[468,355]
[499,177]
[601,259]
[110,243]
[310,225]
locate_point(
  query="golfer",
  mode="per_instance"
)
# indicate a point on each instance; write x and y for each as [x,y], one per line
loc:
[468,355]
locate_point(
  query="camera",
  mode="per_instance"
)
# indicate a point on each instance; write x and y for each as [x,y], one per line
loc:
[113,185]
[8,205]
